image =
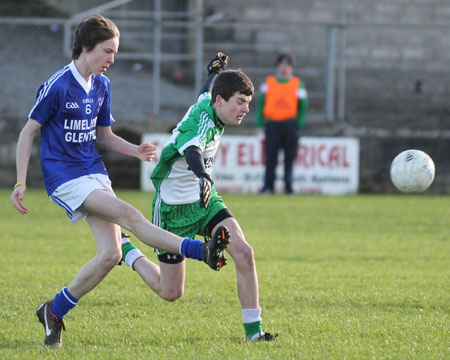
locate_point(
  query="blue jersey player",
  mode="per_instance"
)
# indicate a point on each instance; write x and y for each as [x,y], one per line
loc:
[72,112]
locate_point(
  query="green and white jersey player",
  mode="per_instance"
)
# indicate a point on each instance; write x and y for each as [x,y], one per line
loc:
[186,201]
[172,177]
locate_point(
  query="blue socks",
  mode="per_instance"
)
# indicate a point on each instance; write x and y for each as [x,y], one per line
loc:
[63,303]
[191,248]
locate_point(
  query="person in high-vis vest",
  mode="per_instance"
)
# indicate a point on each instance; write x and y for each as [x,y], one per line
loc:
[282,107]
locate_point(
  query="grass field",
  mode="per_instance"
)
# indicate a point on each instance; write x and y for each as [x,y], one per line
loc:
[356,277]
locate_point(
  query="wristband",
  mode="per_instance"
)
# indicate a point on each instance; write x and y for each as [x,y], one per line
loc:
[18,184]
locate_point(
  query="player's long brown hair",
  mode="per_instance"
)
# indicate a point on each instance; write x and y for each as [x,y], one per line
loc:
[92,31]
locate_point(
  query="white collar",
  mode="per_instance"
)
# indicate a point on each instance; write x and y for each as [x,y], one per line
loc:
[86,85]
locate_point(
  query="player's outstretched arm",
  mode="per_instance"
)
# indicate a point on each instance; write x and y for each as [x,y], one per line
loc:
[107,139]
[215,66]
[23,153]
[218,63]
[195,161]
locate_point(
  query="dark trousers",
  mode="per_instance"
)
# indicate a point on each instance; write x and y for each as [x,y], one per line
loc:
[280,135]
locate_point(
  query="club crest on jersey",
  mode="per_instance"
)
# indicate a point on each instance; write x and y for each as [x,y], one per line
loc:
[72,105]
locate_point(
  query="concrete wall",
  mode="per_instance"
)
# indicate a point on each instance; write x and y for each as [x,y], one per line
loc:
[396,88]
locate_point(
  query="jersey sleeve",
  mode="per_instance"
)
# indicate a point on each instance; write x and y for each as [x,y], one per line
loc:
[259,118]
[302,96]
[189,136]
[104,117]
[47,103]
[197,127]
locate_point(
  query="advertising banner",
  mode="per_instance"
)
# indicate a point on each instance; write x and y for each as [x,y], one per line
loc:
[324,165]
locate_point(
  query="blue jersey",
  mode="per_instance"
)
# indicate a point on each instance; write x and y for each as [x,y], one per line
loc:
[69,110]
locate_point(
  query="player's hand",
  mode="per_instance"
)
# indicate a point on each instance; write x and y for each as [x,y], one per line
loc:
[146,151]
[205,190]
[218,63]
[17,199]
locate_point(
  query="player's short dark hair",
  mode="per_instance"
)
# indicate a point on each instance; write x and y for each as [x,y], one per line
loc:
[228,82]
[92,31]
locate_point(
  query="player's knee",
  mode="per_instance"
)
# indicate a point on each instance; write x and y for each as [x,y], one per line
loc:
[248,254]
[171,295]
[110,258]
[244,253]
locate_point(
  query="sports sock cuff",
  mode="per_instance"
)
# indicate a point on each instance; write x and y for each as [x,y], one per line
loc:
[251,315]
[191,248]
[125,240]
[69,296]
[180,248]
[132,256]
[63,303]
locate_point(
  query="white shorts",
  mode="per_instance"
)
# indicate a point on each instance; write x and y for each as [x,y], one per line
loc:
[72,194]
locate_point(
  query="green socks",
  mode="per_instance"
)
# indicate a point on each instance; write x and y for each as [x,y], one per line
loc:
[252,328]
[126,248]
[130,253]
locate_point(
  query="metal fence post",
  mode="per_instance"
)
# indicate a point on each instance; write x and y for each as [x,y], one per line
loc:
[199,43]
[331,55]
[67,41]
[157,59]
[342,74]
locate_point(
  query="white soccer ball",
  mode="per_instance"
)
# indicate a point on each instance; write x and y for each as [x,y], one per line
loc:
[412,171]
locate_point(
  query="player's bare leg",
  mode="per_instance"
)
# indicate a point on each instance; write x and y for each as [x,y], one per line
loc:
[108,207]
[108,241]
[167,280]
[242,254]
[247,281]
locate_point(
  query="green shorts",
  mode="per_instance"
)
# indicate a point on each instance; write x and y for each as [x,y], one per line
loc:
[186,220]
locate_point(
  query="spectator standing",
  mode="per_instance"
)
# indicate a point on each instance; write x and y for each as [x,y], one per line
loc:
[282,107]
